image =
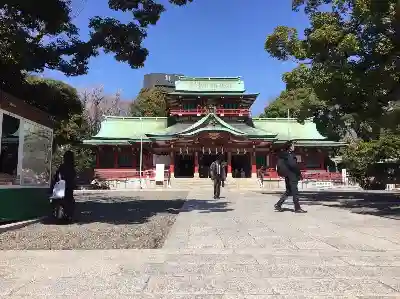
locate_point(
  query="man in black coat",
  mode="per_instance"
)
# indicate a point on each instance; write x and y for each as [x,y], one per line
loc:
[289,169]
[217,173]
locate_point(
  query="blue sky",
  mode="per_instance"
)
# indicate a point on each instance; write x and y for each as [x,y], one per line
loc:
[205,38]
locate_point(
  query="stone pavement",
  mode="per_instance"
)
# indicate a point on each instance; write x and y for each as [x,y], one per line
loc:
[235,247]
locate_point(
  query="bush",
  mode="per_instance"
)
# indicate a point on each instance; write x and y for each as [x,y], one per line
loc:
[361,159]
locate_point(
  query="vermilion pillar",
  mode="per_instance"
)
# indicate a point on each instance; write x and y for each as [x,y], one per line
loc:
[115,157]
[134,155]
[253,164]
[171,165]
[97,152]
[229,158]
[321,160]
[196,163]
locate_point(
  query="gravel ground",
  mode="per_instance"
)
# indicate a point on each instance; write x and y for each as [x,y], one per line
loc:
[105,221]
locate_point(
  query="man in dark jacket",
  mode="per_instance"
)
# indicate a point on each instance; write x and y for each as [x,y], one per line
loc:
[217,173]
[288,168]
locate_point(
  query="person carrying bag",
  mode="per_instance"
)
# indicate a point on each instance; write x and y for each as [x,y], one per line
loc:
[63,186]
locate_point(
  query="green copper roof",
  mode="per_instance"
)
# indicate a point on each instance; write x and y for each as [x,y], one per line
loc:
[253,132]
[125,130]
[289,129]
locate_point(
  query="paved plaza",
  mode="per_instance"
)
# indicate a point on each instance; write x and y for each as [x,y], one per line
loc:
[235,247]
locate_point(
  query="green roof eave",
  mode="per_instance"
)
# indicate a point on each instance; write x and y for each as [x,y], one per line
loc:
[105,142]
[158,135]
[263,137]
[315,142]
[135,140]
[110,141]
[162,138]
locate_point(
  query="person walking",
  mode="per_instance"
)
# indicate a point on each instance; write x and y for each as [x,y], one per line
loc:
[67,172]
[261,173]
[224,171]
[168,172]
[288,168]
[217,176]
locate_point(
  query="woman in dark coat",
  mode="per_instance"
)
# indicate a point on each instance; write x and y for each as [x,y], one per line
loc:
[67,172]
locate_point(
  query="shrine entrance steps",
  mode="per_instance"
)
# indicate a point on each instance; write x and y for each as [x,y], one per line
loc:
[206,183]
[231,184]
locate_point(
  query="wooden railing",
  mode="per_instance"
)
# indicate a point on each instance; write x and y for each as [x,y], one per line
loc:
[321,176]
[218,111]
[114,174]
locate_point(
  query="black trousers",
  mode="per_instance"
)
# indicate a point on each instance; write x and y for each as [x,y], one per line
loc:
[69,203]
[291,186]
[217,187]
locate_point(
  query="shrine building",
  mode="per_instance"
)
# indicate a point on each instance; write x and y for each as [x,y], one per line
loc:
[206,117]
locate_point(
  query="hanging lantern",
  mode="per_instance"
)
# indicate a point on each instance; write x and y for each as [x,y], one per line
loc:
[222,149]
[203,149]
[180,150]
[237,151]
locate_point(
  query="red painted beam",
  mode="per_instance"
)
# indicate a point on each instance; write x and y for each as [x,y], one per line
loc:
[219,111]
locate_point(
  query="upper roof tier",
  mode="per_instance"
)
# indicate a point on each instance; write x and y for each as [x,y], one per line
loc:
[210,84]
[211,88]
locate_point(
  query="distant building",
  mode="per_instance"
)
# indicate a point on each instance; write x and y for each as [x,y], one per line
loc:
[161,80]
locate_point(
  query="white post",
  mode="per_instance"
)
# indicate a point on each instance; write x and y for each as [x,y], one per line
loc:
[344,177]
[141,153]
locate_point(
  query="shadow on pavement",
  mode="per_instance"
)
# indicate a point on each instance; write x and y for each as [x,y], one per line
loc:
[206,206]
[382,204]
[134,209]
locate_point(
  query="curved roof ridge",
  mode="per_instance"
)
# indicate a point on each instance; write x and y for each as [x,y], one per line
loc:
[205,118]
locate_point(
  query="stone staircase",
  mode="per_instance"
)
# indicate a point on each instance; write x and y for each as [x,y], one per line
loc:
[231,184]
[196,183]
